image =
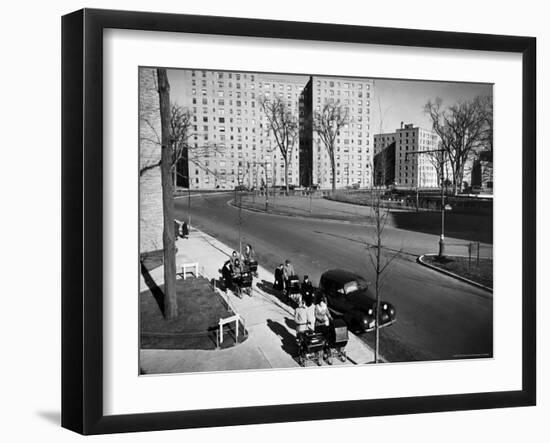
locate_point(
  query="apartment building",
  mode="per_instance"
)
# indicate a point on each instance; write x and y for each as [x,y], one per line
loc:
[353,147]
[384,159]
[413,169]
[400,158]
[229,143]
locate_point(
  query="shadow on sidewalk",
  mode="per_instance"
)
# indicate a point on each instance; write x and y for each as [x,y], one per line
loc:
[288,341]
[268,288]
[153,287]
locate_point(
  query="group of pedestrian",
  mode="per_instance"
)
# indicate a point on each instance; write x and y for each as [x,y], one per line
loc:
[233,268]
[236,265]
[283,274]
[312,314]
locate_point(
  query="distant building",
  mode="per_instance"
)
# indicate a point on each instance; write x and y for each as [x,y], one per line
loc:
[353,153]
[306,135]
[384,159]
[150,188]
[413,168]
[482,172]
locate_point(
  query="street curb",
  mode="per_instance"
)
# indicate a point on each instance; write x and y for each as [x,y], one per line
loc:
[302,217]
[452,274]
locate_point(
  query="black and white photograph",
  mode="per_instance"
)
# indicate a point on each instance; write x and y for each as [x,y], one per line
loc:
[295,220]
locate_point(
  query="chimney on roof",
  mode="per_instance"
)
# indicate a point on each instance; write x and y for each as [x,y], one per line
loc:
[401,125]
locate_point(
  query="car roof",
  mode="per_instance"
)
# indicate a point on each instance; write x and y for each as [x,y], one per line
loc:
[341,276]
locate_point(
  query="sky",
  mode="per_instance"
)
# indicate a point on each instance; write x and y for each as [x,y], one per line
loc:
[395,101]
[399,101]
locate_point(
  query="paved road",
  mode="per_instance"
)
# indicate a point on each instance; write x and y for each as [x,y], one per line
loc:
[439,317]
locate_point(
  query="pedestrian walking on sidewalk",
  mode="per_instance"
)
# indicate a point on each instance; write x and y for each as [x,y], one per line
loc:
[288,272]
[300,319]
[279,277]
[307,288]
[234,257]
[184,230]
[249,258]
[249,255]
[310,312]
[322,315]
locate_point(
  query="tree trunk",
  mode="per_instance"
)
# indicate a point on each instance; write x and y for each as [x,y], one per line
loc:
[286,175]
[168,235]
[333,166]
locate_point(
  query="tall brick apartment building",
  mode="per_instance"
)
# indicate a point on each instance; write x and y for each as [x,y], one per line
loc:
[353,153]
[226,113]
[150,189]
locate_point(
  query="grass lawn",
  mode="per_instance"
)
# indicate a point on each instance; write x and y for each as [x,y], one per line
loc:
[200,309]
[481,272]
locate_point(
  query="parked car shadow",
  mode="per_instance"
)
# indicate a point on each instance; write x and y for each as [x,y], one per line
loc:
[288,341]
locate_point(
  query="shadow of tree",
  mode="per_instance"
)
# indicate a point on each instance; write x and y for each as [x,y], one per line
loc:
[157,293]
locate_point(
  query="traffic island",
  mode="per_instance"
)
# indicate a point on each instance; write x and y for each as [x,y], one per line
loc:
[200,309]
[478,272]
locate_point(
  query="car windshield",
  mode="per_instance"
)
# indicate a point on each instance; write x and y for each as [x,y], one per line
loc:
[353,286]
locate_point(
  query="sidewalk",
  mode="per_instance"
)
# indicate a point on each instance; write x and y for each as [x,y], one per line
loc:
[271,342]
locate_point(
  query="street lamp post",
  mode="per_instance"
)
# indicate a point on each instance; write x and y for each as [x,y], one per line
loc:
[442,237]
[441,253]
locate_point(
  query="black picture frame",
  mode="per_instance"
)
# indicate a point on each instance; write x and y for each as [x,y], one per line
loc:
[82,219]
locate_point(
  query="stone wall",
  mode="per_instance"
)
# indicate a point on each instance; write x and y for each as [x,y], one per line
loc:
[150,189]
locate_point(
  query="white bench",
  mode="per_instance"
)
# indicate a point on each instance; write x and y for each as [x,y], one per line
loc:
[223,321]
[194,267]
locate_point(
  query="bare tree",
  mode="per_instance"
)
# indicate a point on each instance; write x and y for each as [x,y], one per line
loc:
[486,109]
[181,132]
[283,125]
[168,235]
[462,129]
[486,155]
[436,157]
[327,124]
[379,262]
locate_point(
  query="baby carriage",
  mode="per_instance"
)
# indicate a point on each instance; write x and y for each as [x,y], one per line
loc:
[311,346]
[245,281]
[337,340]
[238,282]
[253,266]
[293,292]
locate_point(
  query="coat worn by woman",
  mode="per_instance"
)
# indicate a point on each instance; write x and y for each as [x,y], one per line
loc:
[278,283]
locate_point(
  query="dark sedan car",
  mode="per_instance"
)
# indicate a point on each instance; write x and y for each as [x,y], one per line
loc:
[348,297]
